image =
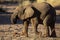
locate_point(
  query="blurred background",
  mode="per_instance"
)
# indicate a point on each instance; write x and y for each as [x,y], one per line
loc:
[7,7]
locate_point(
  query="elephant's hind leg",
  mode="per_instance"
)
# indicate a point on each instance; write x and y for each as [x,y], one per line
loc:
[46,25]
[53,33]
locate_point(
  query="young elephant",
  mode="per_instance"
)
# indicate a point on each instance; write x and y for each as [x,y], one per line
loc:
[37,13]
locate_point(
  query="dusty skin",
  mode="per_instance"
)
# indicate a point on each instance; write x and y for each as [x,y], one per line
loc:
[36,13]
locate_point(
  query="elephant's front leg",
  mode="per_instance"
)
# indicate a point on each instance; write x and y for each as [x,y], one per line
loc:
[34,23]
[25,28]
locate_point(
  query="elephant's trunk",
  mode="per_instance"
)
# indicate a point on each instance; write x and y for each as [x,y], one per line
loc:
[21,14]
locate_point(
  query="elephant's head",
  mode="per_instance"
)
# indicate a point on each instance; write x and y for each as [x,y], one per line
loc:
[17,13]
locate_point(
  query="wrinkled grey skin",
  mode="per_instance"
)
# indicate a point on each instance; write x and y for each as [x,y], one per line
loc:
[37,13]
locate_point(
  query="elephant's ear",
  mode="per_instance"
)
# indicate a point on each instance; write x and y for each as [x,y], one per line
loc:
[28,12]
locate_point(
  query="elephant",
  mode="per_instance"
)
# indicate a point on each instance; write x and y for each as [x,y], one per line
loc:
[36,13]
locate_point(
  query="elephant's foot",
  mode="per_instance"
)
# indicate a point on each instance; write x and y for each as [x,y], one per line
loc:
[38,33]
[24,34]
[45,35]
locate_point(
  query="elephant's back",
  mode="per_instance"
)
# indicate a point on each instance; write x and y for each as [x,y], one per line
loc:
[43,7]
